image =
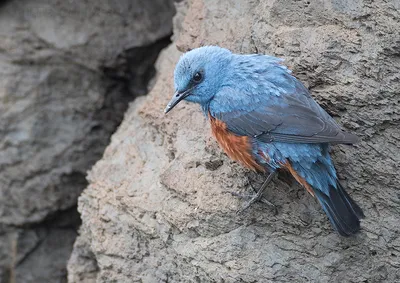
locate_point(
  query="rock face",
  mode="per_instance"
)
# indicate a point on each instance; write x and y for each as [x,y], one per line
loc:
[156,208]
[68,70]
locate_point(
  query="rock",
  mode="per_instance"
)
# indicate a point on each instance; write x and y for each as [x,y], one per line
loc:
[156,211]
[68,71]
[82,264]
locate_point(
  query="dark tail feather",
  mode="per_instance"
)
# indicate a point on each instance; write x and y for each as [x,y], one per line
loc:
[341,209]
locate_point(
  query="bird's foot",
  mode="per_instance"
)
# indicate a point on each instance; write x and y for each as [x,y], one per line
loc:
[253,198]
[258,196]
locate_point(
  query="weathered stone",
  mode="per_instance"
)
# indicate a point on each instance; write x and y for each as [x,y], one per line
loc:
[155,211]
[61,98]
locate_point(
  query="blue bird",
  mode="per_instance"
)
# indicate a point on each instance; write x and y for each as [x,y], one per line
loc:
[264,118]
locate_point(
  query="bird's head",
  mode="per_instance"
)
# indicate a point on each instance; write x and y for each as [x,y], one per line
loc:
[199,74]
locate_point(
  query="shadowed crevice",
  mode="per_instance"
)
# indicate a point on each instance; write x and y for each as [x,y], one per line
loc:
[123,80]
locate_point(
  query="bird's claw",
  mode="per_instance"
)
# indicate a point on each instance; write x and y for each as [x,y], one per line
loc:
[258,196]
[253,198]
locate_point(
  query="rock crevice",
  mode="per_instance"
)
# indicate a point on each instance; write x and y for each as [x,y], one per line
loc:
[59,105]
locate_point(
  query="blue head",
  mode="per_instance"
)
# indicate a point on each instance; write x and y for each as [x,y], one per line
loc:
[199,75]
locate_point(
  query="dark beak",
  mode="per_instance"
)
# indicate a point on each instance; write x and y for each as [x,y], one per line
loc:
[178,96]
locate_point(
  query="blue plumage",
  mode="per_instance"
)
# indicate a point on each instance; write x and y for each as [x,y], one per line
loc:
[255,97]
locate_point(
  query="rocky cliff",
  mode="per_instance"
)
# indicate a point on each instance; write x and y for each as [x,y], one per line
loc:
[156,209]
[68,70]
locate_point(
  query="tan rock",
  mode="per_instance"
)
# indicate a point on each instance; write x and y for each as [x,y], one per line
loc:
[156,210]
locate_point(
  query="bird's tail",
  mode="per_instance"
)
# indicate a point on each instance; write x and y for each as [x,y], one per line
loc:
[320,180]
[341,209]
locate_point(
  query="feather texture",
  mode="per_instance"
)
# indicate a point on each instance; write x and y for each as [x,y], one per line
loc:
[265,118]
[236,147]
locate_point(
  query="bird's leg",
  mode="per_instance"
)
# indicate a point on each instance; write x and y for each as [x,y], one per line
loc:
[261,199]
[259,194]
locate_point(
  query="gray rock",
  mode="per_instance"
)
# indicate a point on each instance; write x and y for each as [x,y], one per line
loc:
[62,95]
[156,211]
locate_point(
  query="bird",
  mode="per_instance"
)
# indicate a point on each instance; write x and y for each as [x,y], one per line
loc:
[263,117]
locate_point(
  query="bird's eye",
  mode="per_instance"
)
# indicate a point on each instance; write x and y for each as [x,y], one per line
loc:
[197,77]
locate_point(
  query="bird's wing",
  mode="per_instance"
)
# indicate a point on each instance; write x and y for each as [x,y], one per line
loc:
[288,118]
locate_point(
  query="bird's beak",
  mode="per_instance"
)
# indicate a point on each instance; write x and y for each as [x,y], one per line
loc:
[178,96]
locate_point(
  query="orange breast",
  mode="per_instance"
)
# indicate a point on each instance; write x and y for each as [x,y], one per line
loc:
[236,147]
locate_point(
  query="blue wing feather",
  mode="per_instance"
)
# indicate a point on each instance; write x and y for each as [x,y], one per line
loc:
[264,101]
[270,104]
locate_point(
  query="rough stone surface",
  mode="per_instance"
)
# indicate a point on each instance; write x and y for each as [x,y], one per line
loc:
[67,72]
[156,208]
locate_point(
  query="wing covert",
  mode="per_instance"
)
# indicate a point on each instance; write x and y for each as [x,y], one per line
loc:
[295,118]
